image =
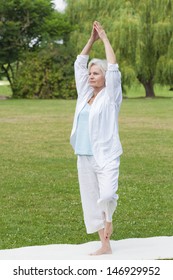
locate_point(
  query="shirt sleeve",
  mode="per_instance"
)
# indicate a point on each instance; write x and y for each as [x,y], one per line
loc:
[113,83]
[81,74]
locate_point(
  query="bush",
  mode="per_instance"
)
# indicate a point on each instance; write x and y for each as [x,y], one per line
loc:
[46,74]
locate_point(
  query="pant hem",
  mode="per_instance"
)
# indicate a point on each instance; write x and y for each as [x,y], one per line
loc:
[90,231]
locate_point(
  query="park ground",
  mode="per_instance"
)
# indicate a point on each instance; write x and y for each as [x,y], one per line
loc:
[40,201]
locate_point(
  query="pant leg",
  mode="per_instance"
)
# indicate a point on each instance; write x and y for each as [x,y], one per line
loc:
[89,191]
[108,186]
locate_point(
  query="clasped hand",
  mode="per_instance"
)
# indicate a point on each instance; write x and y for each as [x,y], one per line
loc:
[98,32]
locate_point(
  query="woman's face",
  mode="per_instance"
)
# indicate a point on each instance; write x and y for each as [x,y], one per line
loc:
[96,77]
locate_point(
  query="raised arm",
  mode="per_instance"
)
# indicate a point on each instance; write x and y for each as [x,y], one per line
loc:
[81,71]
[110,55]
[94,37]
[113,75]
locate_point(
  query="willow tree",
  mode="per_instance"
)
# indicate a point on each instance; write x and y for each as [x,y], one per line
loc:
[141,33]
[154,42]
[165,61]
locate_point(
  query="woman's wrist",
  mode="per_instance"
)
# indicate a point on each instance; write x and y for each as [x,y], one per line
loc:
[91,41]
[105,40]
[87,47]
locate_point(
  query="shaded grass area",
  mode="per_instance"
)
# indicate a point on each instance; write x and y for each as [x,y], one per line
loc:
[40,201]
[135,91]
[5,90]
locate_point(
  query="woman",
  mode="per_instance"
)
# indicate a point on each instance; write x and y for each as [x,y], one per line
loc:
[95,137]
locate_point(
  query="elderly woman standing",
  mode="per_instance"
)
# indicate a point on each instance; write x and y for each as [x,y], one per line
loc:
[95,137]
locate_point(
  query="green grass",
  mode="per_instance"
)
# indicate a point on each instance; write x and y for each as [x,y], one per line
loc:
[40,201]
[5,90]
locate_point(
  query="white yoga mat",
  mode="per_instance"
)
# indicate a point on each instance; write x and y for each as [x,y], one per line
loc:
[152,248]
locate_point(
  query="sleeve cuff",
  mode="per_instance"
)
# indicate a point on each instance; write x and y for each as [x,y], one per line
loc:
[83,58]
[113,67]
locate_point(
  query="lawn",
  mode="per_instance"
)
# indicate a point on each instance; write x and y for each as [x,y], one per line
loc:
[40,201]
[5,89]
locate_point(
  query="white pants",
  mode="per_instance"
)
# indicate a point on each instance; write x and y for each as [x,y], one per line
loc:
[98,188]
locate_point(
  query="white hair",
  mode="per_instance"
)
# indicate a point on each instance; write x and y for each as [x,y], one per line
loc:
[101,63]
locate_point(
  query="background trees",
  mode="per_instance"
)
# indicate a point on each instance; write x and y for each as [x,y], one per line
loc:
[30,34]
[38,44]
[141,33]
[47,73]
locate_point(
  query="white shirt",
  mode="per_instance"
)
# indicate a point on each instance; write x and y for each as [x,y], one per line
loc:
[103,118]
[83,144]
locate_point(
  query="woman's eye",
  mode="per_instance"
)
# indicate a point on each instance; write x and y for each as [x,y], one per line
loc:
[94,73]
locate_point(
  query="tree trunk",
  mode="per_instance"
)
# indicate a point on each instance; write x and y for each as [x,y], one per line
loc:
[149,89]
[148,85]
[6,72]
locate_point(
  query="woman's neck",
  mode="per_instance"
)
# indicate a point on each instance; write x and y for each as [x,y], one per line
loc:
[96,91]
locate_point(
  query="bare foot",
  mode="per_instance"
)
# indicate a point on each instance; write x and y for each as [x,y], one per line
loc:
[104,235]
[102,250]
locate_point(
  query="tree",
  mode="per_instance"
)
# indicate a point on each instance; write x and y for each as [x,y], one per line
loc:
[141,33]
[164,73]
[154,42]
[26,27]
[47,73]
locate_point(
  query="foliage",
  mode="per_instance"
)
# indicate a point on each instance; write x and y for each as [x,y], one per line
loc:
[37,65]
[165,67]
[27,27]
[46,74]
[141,32]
